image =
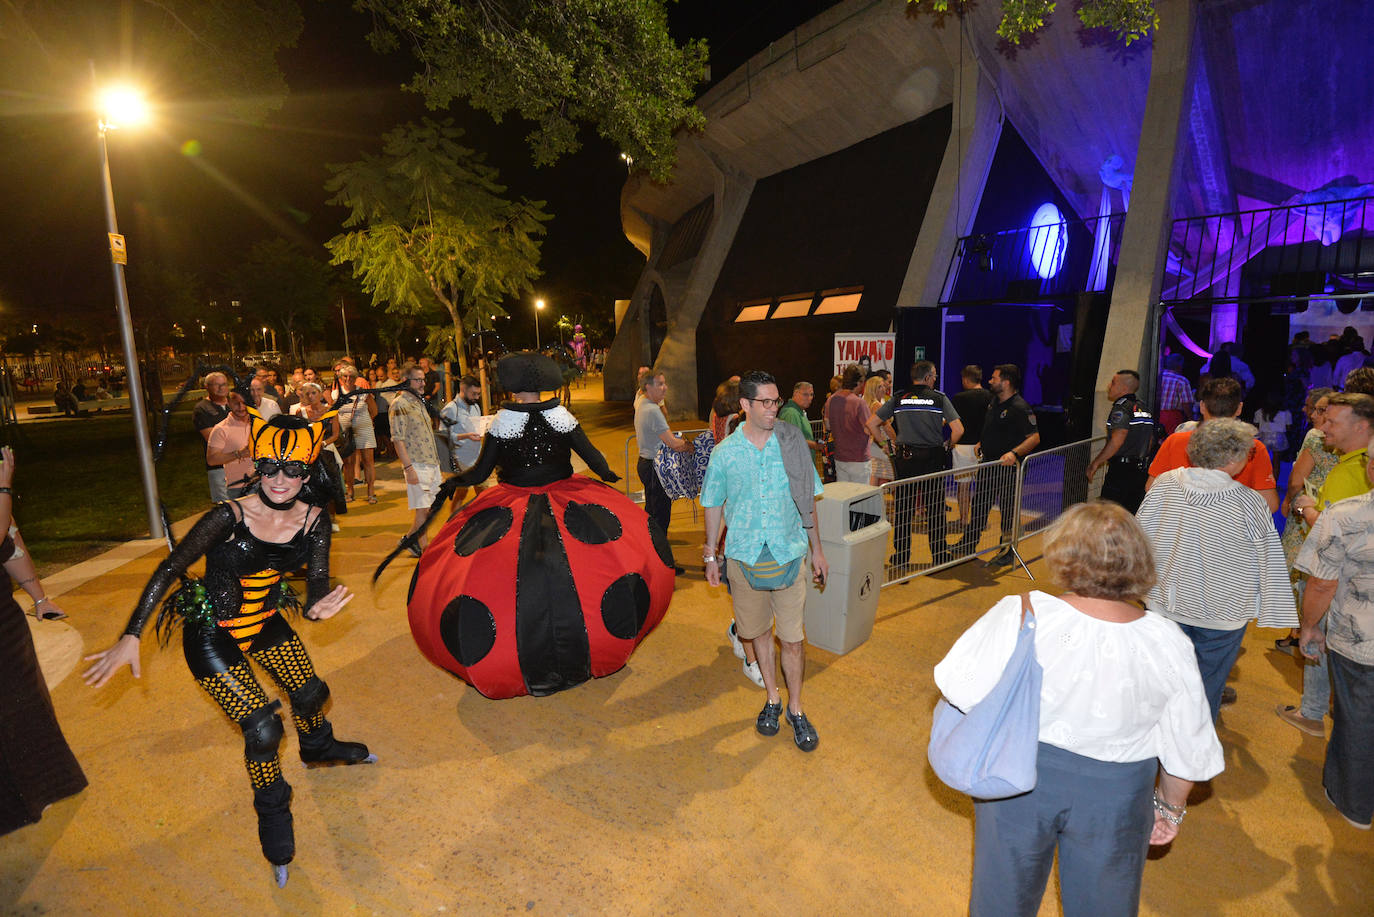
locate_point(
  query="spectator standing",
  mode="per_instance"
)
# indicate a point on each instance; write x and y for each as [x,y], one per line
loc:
[1175,394]
[651,429]
[1339,558]
[1121,703]
[763,485]
[459,422]
[1218,554]
[356,416]
[971,404]
[1273,421]
[311,406]
[1348,426]
[1219,398]
[228,446]
[412,435]
[880,471]
[265,405]
[1130,440]
[1232,365]
[1009,435]
[208,412]
[794,412]
[846,414]
[725,406]
[433,381]
[920,415]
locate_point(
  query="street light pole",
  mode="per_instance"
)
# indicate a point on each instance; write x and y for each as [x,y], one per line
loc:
[538,304]
[152,502]
[343,316]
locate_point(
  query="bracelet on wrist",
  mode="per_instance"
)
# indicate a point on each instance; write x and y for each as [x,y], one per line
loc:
[1170,813]
[7,490]
[41,600]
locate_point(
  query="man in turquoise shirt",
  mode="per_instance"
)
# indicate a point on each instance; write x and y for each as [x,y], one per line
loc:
[753,484]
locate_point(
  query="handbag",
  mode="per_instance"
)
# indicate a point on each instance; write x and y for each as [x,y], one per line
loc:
[990,751]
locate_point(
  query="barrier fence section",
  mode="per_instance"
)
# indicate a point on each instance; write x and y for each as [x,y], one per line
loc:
[1027,498]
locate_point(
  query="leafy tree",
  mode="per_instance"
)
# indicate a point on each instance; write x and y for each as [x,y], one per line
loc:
[556,63]
[161,298]
[226,48]
[1129,19]
[428,230]
[283,287]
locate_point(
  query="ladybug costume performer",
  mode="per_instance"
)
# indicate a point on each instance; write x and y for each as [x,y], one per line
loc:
[550,578]
[234,615]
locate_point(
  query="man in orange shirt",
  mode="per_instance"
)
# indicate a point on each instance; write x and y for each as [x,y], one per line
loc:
[1220,398]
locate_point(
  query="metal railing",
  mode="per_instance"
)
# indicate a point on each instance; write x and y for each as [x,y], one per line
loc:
[1028,497]
[1034,263]
[1286,252]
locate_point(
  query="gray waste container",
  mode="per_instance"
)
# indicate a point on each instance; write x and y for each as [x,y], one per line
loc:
[854,535]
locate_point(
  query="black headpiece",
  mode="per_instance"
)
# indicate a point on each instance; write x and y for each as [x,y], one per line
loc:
[527,371]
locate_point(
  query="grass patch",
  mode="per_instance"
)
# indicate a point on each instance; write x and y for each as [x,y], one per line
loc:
[79,487]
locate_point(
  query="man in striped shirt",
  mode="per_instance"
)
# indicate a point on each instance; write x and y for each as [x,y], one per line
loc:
[1175,394]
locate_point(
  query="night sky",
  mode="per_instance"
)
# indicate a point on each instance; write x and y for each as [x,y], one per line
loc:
[200,188]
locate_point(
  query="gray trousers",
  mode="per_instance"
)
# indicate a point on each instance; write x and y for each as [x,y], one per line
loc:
[219,488]
[1097,813]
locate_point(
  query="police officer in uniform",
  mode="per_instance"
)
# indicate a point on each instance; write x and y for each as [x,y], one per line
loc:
[1130,437]
[1009,435]
[920,415]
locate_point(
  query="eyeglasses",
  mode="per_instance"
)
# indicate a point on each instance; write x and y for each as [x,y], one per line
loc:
[767,402]
[268,468]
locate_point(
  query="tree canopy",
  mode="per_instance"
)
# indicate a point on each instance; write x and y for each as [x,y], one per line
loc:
[556,63]
[284,288]
[1129,19]
[429,232]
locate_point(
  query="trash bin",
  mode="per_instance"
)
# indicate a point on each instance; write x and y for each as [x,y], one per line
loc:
[854,532]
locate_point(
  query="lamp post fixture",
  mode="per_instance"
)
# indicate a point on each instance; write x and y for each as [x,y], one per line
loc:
[538,304]
[125,107]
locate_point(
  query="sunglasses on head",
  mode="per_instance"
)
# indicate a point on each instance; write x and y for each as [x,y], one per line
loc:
[270,467]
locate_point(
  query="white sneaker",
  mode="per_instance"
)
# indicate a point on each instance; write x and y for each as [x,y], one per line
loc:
[753,673]
[734,641]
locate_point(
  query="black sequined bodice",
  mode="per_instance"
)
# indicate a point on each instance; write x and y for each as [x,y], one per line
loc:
[538,454]
[231,553]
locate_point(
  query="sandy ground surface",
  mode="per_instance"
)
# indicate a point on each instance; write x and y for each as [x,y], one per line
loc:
[647,792]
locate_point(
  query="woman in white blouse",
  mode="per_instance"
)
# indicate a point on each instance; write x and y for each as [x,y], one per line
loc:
[1121,702]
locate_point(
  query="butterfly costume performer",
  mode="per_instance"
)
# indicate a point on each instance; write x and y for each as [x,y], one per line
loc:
[549,578]
[236,613]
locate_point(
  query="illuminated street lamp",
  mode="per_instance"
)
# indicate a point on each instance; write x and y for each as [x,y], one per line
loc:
[124,107]
[538,304]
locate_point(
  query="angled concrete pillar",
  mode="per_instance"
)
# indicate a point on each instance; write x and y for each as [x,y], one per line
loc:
[975,128]
[677,359]
[1131,339]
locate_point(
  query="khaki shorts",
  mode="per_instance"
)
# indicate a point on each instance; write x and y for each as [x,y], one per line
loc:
[422,494]
[758,610]
[964,457]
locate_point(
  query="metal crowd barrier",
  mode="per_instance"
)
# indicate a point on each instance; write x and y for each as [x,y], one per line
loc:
[1027,497]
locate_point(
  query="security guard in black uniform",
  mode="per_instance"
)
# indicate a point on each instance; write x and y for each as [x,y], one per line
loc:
[920,415]
[1130,440]
[1009,435]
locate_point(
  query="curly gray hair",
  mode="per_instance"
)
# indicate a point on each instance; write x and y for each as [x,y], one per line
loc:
[1220,442]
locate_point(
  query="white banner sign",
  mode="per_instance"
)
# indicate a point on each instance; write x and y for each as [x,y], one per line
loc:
[879,349]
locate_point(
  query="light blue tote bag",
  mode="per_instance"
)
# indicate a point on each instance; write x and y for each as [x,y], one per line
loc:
[989,752]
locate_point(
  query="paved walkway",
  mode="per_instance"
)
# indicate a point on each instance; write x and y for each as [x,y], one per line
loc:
[647,792]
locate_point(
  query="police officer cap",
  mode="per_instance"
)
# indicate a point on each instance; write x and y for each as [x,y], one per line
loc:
[528,372]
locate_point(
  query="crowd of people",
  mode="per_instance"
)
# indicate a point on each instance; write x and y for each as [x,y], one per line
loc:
[1162,576]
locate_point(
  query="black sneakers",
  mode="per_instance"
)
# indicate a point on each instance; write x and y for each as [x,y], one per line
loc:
[803,733]
[768,719]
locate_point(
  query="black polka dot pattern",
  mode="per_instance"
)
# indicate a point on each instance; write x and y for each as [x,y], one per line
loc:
[467,629]
[483,530]
[591,524]
[661,546]
[625,606]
